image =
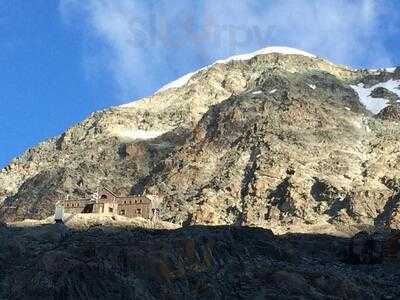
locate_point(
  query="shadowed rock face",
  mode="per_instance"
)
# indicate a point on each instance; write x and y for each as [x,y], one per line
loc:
[382,92]
[390,113]
[272,141]
[52,262]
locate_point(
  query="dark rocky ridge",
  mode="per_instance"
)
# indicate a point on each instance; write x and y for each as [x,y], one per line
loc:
[382,92]
[390,113]
[52,262]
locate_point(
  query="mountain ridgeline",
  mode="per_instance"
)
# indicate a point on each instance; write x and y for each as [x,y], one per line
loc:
[277,139]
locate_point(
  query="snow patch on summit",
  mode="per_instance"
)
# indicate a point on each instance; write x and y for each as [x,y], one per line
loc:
[181,81]
[130,104]
[280,50]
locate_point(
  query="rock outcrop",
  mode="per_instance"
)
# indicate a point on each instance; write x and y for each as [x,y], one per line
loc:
[390,113]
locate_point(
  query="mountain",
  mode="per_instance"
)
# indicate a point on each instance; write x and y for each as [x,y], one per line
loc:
[278,138]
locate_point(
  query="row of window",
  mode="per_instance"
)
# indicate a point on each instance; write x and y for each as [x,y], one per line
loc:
[110,209]
[72,205]
[122,212]
[138,211]
[136,201]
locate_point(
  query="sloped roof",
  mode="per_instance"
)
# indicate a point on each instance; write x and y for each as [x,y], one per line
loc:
[110,191]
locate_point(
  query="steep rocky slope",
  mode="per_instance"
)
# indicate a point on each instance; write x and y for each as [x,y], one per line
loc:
[273,139]
[299,154]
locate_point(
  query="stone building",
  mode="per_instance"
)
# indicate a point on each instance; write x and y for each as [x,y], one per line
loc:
[107,202]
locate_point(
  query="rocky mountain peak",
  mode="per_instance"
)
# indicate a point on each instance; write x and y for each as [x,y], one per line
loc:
[275,138]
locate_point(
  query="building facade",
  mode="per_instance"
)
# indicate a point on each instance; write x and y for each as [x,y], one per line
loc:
[107,202]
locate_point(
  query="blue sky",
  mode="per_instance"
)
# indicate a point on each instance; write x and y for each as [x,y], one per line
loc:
[62,60]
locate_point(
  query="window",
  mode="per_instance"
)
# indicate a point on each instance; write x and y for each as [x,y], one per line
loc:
[125,202]
[138,211]
[103,197]
[123,212]
[110,209]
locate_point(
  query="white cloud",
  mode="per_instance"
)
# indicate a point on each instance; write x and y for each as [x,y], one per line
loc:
[147,42]
[344,31]
[117,25]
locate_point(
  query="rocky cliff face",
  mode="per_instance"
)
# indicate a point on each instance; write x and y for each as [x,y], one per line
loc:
[273,140]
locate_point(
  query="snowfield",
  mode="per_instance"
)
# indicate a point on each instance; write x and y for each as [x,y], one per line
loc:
[375,105]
